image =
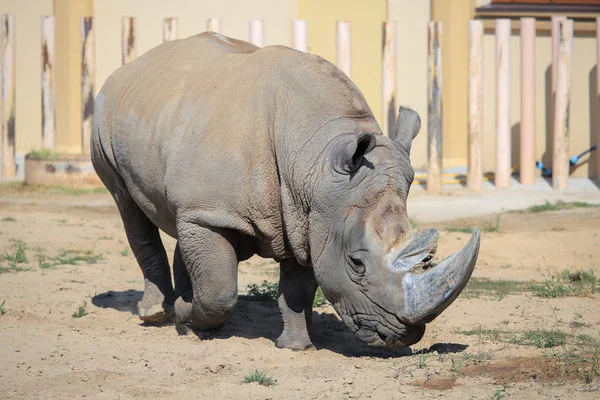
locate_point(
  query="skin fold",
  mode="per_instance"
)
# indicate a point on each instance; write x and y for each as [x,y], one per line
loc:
[236,150]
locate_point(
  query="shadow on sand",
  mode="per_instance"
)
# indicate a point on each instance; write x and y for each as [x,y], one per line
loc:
[254,319]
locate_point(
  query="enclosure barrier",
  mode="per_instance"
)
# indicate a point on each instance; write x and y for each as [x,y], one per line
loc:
[475,163]
[127,39]
[562,37]
[169,29]
[434,134]
[88,77]
[48,84]
[7,48]
[388,82]
[343,53]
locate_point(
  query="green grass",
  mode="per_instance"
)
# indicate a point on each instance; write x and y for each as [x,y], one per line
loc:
[568,283]
[493,288]
[467,359]
[2,310]
[495,335]
[72,257]
[542,338]
[21,188]
[488,227]
[557,206]
[260,377]
[81,311]
[13,260]
[125,252]
[320,299]
[266,291]
[43,154]
[9,219]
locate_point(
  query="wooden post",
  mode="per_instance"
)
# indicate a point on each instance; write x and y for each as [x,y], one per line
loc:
[299,35]
[390,110]
[527,169]
[343,55]
[598,98]
[257,33]
[560,155]
[475,168]
[555,27]
[212,25]
[434,134]
[7,55]
[169,29]
[88,76]
[503,153]
[127,39]
[48,84]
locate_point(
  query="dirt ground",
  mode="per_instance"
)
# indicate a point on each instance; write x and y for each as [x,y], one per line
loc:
[475,350]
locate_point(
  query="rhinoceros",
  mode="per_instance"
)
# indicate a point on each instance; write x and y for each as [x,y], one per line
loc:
[236,150]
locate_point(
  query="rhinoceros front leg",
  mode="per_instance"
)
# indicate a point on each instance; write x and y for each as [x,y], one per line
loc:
[211,262]
[297,287]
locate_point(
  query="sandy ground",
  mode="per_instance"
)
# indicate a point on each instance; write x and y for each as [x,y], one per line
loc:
[110,353]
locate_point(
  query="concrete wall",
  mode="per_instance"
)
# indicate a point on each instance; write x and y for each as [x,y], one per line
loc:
[582,108]
[28,69]
[234,16]
[412,18]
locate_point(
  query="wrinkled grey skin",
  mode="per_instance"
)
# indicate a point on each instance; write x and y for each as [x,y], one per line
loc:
[234,151]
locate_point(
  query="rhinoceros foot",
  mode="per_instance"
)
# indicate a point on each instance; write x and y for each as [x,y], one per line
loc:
[153,307]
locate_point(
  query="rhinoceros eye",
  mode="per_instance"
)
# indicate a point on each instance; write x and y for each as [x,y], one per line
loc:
[357,265]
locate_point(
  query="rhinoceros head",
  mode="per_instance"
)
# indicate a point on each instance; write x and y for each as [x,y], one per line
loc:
[379,274]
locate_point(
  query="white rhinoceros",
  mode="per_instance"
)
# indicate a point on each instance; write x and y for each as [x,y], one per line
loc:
[236,150]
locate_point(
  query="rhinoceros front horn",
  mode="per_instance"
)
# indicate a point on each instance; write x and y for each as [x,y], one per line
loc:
[429,293]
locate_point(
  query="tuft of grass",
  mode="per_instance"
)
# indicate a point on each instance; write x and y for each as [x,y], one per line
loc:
[72,257]
[557,206]
[494,288]
[16,258]
[125,252]
[19,187]
[542,338]
[495,335]
[493,228]
[320,299]
[9,219]
[2,310]
[568,283]
[43,154]
[81,311]
[266,291]
[469,359]
[460,229]
[260,377]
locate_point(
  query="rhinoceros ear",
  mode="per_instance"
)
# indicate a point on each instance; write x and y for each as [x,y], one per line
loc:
[408,126]
[350,157]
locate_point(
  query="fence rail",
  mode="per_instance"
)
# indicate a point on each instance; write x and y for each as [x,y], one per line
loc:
[562,37]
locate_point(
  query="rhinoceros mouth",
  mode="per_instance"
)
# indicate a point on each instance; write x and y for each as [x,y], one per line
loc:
[376,332]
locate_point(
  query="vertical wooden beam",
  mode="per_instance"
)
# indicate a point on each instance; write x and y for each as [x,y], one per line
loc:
[390,110]
[212,25]
[48,84]
[257,33]
[503,151]
[169,29]
[127,39]
[434,134]
[343,54]
[527,170]
[475,168]
[598,98]
[555,27]
[300,35]
[7,55]
[560,154]
[88,76]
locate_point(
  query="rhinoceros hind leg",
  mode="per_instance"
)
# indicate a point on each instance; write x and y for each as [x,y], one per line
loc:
[297,286]
[210,259]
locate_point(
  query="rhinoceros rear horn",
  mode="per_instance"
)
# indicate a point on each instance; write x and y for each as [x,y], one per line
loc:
[408,126]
